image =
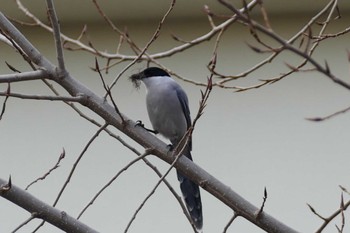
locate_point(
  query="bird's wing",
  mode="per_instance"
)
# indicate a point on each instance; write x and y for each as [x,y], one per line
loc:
[181,95]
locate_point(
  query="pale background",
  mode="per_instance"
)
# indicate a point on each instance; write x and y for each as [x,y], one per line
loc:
[249,140]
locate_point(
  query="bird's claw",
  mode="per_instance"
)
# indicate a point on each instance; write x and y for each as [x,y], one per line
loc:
[139,123]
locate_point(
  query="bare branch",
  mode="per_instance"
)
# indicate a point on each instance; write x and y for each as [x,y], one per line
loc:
[340,211]
[123,57]
[341,228]
[62,155]
[5,101]
[153,38]
[318,119]
[23,76]
[57,34]
[331,6]
[91,202]
[314,212]
[123,35]
[107,89]
[230,222]
[327,36]
[57,218]
[24,44]
[43,97]
[177,153]
[77,162]
[73,170]
[24,223]
[344,189]
[258,214]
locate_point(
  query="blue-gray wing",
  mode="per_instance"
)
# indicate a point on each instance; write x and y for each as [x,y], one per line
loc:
[184,105]
[181,95]
[190,190]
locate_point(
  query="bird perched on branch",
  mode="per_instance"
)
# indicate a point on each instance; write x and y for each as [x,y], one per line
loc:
[168,111]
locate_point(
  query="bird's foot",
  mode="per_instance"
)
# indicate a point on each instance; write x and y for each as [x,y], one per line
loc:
[139,123]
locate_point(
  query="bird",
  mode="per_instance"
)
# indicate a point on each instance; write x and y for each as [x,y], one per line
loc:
[169,113]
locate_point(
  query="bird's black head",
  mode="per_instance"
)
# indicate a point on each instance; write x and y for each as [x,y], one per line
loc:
[154,71]
[146,73]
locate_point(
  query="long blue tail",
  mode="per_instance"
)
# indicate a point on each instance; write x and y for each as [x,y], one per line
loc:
[191,195]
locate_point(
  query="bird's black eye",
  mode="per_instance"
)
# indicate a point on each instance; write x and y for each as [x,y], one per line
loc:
[154,71]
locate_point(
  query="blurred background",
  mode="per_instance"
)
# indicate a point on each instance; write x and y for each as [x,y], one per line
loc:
[249,140]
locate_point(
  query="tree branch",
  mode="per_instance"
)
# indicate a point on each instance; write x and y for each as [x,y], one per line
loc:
[285,45]
[40,209]
[24,76]
[124,57]
[42,97]
[57,34]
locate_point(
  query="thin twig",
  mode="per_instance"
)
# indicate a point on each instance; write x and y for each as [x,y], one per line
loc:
[107,89]
[60,158]
[77,162]
[325,70]
[122,34]
[70,175]
[153,38]
[167,53]
[57,34]
[330,6]
[258,214]
[235,215]
[43,97]
[3,109]
[178,154]
[91,202]
[340,211]
[318,119]
[32,216]
[40,209]
[331,217]
[326,36]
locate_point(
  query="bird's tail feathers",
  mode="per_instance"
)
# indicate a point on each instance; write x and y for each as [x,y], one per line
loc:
[191,195]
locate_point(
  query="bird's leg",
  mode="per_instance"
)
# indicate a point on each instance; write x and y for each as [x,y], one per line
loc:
[139,123]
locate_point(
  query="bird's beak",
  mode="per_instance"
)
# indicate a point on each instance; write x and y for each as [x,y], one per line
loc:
[136,79]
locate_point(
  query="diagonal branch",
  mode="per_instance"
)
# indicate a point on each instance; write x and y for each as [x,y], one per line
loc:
[57,34]
[43,177]
[147,152]
[27,47]
[40,209]
[71,173]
